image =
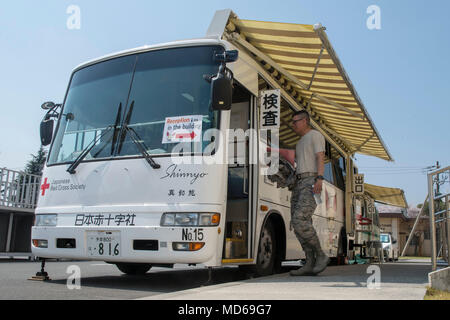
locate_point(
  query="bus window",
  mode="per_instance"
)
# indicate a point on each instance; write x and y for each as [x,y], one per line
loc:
[328,170]
[339,175]
[334,166]
[343,166]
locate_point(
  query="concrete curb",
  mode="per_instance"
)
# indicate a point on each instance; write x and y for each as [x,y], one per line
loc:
[440,279]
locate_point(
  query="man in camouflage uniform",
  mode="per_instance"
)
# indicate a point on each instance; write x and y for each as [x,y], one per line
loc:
[309,155]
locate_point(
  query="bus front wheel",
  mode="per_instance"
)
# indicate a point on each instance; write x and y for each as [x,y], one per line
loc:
[267,253]
[134,268]
[265,262]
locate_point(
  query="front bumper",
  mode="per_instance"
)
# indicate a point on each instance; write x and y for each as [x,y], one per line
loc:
[165,236]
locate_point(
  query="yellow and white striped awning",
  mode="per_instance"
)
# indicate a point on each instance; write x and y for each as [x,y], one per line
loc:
[302,61]
[390,196]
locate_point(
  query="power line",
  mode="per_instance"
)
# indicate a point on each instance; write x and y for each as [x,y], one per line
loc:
[392,170]
[403,167]
[396,173]
[398,170]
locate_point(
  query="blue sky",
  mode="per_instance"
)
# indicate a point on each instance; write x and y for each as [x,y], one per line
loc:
[401,72]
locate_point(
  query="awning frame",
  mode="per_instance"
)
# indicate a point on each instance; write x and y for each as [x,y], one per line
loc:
[228,26]
[315,69]
[328,133]
[320,30]
[237,39]
[380,197]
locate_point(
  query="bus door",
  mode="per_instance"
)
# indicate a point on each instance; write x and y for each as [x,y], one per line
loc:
[238,228]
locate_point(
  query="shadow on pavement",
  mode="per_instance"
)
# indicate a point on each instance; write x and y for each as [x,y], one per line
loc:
[162,281]
[398,272]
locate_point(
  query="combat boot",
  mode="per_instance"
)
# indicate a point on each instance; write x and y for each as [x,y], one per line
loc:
[307,269]
[322,261]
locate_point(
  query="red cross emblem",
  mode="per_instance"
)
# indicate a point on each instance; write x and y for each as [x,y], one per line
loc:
[45,186]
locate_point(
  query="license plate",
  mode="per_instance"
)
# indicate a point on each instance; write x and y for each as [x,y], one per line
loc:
[103,243]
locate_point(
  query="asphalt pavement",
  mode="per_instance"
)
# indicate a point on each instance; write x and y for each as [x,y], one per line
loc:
[101,281]
[404,280]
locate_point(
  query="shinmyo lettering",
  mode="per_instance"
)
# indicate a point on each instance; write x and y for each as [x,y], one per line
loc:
[172,172]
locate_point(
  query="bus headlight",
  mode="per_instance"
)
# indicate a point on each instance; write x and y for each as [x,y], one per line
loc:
[39,243]
[46,220]
[190,219]
[209,219]
[187,246]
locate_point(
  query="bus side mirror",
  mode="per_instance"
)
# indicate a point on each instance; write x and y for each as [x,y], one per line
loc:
[47,122]
[46,132]
[221,93]
[222,83]
[48,105]
[394,241]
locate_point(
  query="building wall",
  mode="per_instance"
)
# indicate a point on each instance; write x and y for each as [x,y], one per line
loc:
[400,230]
[420,245]
[390,225]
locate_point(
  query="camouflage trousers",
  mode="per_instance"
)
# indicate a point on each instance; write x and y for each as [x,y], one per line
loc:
[303,206]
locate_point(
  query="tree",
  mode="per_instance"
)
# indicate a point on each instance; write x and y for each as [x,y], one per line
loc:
[439,206]
[36,165]
[26,186]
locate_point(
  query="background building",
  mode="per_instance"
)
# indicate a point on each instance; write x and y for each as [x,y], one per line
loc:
[399,222]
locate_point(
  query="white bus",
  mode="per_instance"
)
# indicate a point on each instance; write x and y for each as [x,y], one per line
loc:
[113,186]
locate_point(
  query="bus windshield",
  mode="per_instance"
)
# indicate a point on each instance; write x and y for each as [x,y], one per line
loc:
[152,91]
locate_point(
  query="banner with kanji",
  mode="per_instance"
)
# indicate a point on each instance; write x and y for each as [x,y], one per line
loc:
[270,109]
[358,184]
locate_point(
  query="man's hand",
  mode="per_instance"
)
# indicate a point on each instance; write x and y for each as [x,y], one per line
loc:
[288,154]
[320,156]
[318,186]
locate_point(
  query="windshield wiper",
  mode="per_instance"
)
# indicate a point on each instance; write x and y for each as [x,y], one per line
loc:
[91,145]
[86,150]
[142,147]
[114,140]
[123,131]
[136,140]
[114,136]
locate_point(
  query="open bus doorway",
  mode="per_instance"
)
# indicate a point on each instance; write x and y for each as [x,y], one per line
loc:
[238,237]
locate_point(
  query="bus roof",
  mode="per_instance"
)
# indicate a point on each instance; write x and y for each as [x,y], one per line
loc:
[145,48]
[304,64]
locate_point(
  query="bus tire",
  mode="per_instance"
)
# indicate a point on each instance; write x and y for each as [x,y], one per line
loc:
[267,251]
[134,268]
[266,260]
[342,250]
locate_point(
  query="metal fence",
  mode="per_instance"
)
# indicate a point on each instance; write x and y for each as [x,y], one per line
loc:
[18,189]
[439,221]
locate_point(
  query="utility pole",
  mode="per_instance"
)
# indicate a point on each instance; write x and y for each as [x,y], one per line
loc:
[437,178]
[437,166]
[439,238]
